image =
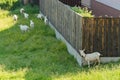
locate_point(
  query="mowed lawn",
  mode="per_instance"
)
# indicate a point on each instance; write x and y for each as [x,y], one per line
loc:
[38,55]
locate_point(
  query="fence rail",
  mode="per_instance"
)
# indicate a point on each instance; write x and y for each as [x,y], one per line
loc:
[93,34]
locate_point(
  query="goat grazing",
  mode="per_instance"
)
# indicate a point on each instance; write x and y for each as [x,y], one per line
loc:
[46,20]
[26,15]
[22,10]
[15,17]
[31,24]
[95,56]
[24,28]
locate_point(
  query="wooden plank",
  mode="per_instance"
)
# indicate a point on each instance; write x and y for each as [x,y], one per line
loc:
[83,33]
[87,35]
[119,36]
[115,41]
[105,36]
[100,35]
[78,32]
[95,35]
[110,38]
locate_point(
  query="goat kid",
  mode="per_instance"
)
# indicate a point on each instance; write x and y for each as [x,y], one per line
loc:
[40,16]
[24,28]
[15,17]
[95,56]
[31,24]
[22,10]
[26,15]
[46,20]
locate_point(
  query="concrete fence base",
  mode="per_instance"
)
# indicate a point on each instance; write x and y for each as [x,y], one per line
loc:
[70,49]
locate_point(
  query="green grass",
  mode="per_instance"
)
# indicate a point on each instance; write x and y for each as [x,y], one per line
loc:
[38,55]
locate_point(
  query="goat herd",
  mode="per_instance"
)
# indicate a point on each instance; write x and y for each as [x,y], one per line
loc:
[95,56]
[25,28]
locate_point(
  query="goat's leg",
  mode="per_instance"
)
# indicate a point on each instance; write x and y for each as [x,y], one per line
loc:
[88,63]
[95,62]
[98,61]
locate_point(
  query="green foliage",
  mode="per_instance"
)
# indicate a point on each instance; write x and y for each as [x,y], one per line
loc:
[83,11]
[10,4]
[28,8]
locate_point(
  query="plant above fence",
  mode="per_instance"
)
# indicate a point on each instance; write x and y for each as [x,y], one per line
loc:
[83,11]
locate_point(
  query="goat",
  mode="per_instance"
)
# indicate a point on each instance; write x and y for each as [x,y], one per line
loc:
[40,16]
[15,17]
[95,56]
[26,15]
[31,24]
[45,20]
[22,10]
[24,28]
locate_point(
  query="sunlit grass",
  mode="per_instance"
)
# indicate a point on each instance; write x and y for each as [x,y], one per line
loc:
[96,73]
[12,75]
[6,21]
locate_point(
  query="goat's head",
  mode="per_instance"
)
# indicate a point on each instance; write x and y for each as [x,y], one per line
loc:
[82,53]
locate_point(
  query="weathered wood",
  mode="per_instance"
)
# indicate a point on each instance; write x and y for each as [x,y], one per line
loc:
[93,34]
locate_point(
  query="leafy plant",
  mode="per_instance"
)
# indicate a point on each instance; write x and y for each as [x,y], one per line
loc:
[9,4]
[83,11]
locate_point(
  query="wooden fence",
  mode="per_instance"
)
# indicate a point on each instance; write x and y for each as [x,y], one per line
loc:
[103,35]
[93,34]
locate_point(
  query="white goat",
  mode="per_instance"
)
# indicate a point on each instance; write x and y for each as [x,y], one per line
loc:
[15,17]
[40,16]
[45,20]
[24,28]
[22,10]
[95,56]
[31,24]
[26,15]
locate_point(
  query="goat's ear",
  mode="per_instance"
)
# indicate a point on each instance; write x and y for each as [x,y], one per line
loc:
[83,49]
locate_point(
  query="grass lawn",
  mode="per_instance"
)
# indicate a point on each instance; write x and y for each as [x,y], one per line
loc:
[38,55]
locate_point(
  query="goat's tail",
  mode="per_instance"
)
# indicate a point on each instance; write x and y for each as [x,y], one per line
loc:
[99,54]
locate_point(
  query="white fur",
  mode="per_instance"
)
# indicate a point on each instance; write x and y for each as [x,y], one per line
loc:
[24,28]
[46,20]
[31,24]
[26,15]
[40,16]
[22,10]
[15,17]
[95,56]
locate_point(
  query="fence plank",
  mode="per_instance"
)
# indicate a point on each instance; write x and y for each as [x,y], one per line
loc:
[119,36]
[115,41]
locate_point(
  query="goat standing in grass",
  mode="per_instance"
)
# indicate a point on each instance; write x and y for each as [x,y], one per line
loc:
[31,24]
[40,16]
[24,28]
[46,20]
[15,17]
[95,56]
[22,10]
[26,15]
